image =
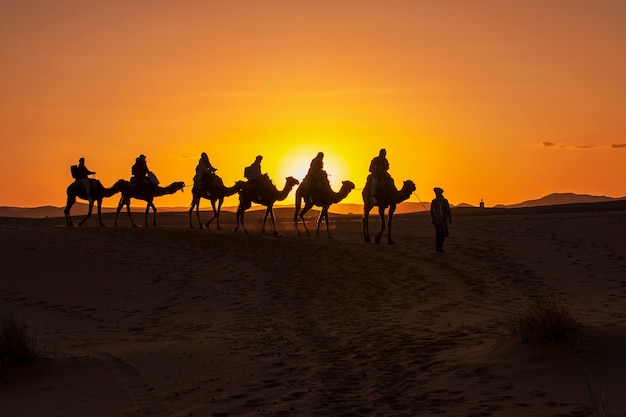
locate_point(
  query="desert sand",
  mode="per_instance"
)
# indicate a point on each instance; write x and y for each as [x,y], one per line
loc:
[173,321]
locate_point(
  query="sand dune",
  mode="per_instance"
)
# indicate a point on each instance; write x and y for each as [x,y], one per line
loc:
[177,321]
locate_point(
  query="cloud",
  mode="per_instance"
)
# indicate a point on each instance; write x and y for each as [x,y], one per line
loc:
[618,145]
[548,144]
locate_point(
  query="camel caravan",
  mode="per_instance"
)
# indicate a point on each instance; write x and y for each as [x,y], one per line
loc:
[313,191]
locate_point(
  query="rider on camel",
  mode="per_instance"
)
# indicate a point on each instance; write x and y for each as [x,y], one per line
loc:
[255,177]
[316,174]
[140,172]
[378,168]
[204,170]
[81,173]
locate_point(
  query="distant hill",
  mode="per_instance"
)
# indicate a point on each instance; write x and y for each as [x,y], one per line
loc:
[562,198]
[79,209]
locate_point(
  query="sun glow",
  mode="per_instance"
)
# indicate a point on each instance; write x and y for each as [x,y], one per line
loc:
[296,164]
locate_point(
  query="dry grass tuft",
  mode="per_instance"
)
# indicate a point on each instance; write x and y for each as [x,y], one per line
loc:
[547,322]
[600,408]
[16,343]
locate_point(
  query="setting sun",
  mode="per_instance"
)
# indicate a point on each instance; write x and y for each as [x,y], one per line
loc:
[472,102]
[296,164]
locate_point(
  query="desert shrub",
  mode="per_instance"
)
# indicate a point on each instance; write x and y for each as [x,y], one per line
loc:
[16,342]
[546,322]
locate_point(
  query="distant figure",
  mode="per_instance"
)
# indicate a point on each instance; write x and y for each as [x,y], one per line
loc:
[378,168]
[482,203]
[81,174]
[203,170]
[441,217]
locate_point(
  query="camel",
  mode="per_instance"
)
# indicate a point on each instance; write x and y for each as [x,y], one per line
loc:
[387,195]
[150,191]
[264,188]
[323,197]
[98,192]
[217,191]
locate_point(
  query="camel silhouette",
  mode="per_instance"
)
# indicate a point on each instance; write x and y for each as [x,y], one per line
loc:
[98,192]
[215,186]
[264,188]
[387,195]
[149,192]
[322,197]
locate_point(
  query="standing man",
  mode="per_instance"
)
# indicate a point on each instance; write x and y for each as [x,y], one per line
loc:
[441,217]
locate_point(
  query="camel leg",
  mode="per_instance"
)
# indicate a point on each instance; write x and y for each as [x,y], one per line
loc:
[119,208]
[126,202]
[296,213]
[307,207]
[366,227]
[88,214]
[243,226]
[240,213]
[237,216]
[68,206]
[117,212]
[194,204]
[273,219]
[100,212]
[324,217]
[392,209]
[267,213]
[154,212]
[215,211]
[381,213]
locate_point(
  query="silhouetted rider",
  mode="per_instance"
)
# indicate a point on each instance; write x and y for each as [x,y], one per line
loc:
[378,168]
[204,169]
[82,173]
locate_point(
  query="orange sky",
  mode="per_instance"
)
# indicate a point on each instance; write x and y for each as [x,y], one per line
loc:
[505,101]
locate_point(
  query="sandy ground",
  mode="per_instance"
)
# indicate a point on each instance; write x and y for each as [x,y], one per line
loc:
[173,321]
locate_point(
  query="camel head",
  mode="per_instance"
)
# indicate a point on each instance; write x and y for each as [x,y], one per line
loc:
[408,186]
[407,189]
[177,186]
[347,186]
[291,182]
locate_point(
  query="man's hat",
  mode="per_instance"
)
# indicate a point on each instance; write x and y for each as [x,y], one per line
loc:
[438,190]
